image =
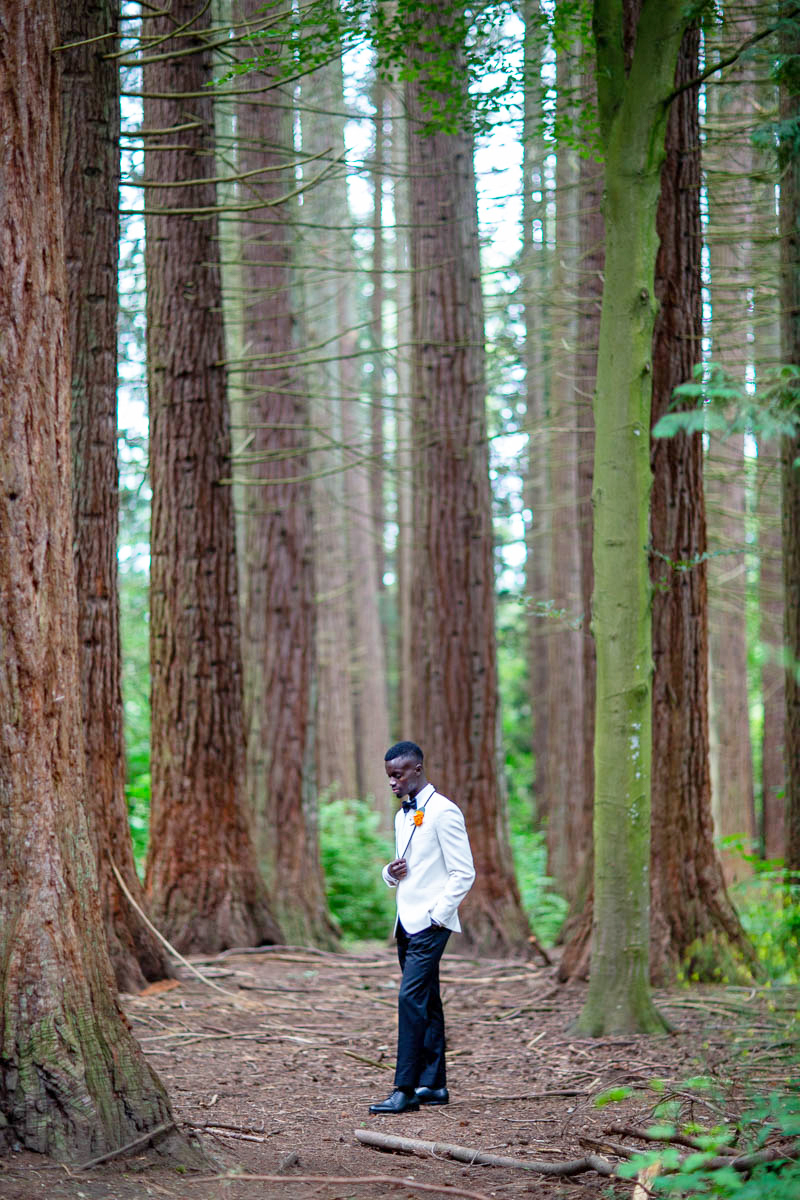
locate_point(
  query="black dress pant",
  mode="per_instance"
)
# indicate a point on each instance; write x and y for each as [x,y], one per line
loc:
[420,1030]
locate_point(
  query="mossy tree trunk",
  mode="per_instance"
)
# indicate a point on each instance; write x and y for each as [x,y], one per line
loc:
[455,693]
[633,98]
[202,880]
[73,1081]
[90,181]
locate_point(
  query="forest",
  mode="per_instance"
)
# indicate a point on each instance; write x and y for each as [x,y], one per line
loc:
[385,369]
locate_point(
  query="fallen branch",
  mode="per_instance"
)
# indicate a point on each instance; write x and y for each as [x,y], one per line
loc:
[348,1180]
[386,1141]
[739,1162]
[168,946]
[675,1139]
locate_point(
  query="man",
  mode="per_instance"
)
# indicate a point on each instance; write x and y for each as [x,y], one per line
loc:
[433,872]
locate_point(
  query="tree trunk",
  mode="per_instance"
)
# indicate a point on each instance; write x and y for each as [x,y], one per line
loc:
[369,662]
[455,697]
[202,878]
[279,611]
[576,933]
[536,484]
[321,262]
[377,471]
[728,160]
[689,905]
[563,765]
[770,597]
[73,1081]
[90,183]
[789,161]
[632,121]
[403,480]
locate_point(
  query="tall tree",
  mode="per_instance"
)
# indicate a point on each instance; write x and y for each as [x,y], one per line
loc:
[74,1082]
[202,879]
[772,831]
[637,47]
[689,903]
[789,161]
[279,610]
[90,182]
[322,264]
[455,697]
[728,157]
[564,753]
[536,486]
[576,933]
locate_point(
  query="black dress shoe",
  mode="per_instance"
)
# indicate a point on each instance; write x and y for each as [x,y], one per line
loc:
[398,1102]
[427,1095]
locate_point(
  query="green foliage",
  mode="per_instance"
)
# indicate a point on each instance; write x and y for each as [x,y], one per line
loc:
[134,635]
[470,68]
[546,910]
[769,908]
[716,402]
[700,1173]
[611,1096]
[353,854]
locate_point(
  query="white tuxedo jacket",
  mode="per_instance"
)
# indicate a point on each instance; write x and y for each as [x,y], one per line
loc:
[440,869]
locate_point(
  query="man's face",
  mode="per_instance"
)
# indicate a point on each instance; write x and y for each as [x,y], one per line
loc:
[404,775]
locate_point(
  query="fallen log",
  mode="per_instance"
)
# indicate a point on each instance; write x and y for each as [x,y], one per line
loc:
[465,1154]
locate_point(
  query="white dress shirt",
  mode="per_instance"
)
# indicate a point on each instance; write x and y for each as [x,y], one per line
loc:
[440,868]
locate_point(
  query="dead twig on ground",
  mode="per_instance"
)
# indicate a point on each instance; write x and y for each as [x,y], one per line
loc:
[675,1139]
[412,1185]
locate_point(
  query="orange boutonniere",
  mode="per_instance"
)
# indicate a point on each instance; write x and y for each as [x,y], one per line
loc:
[419,816]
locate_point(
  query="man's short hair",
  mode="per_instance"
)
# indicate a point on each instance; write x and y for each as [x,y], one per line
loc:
[403,750]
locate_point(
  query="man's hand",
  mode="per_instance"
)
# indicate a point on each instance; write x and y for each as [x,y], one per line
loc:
[398,869]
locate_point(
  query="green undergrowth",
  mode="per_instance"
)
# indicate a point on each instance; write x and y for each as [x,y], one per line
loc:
[354,850]
[768,904]
[767,1123]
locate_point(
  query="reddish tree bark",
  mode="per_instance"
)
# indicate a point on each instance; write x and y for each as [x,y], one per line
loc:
[90,183]
[591,249]
[323,258]
[534,269]
[455,697]
[790,449]
[73,1081]
[202,879]
[279,620]
[728,159]
[771,608]
[564,771]
[689,903]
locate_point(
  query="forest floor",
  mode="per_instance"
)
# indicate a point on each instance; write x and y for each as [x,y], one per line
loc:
[275,1074]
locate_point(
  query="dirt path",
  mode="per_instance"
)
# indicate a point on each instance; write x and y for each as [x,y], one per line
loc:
[276,1074]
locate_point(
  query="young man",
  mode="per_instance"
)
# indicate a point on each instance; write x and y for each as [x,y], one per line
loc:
[433,872]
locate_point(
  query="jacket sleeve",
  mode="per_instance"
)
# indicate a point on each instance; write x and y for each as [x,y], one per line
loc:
[454,843]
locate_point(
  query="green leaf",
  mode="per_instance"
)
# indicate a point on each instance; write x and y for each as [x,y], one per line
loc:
[612,1096]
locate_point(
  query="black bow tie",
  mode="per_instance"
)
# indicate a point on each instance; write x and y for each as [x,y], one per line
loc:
[409,804]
